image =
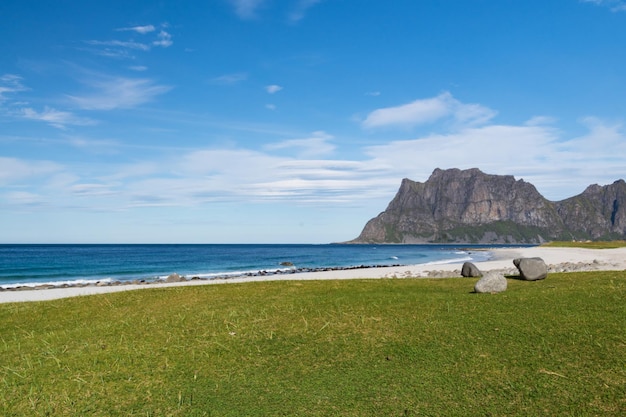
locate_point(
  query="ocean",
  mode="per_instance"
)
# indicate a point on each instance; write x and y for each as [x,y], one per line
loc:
[75,264]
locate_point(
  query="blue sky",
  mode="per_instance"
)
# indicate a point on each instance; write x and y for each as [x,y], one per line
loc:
[294,121]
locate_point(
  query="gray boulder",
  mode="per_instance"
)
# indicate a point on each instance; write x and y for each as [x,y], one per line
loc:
[531,269]
[469,270]
[491,282]
[175,278]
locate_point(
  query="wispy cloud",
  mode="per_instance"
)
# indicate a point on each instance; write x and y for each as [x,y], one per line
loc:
[93,146]
[300,9]
[540,121]
[613,5]
[304,170]
[118,92]
[14,170]
[600,133]
[164,39]
[23,199]
[139,29]
[315,145]
[247,9]
[91,190]
[121,44]
[56,118]
[550,161]
[10,83]
[16,109]
[424,111]
[245,175]
[272,89]
[229,79]
[553,163]
[116,48]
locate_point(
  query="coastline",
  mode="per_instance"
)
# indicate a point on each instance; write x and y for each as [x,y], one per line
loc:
[558,260]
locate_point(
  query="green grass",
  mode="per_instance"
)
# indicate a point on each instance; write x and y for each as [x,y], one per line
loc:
[611,244]
[322,348]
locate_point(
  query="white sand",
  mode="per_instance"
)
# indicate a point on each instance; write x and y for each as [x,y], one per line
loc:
[585,259]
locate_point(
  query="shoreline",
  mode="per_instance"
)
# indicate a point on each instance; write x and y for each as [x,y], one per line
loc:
[558,260]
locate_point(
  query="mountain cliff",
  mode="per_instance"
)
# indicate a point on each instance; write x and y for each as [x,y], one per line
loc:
[470,206]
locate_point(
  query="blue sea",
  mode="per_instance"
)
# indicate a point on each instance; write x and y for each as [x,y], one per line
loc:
[33,265]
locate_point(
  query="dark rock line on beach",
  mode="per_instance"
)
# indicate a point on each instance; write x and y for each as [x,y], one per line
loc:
[562,267]
[180,278]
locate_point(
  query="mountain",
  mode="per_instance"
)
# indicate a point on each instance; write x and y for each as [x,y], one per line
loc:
[469,206]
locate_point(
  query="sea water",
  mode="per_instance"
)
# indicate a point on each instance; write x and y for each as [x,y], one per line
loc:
[58,264]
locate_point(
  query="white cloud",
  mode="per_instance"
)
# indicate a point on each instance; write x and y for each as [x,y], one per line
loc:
[302,171]
[300,9]
[120,44]
[603,141]
[91,190]
[540,121]
[247,9]
[316,145]
[273,89]
[10,83]
[472,114]
[120,92]
[239,175]
[492,146]
[93,146]
[613,5]
[14,171]
[122,48]
[270,106]
[164,39]
[417,112]
[424,111]
[138,68]
[56,118]
[23,198]
[115,53]
[139,29]
[559,168]
[229,79]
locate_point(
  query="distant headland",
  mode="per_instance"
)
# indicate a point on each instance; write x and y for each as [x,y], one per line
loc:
[469,206]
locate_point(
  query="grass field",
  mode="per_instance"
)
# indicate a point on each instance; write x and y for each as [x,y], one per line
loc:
[387,347]
[611,244]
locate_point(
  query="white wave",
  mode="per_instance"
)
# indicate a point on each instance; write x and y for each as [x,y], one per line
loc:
[72,283]
[449,261]
[210,275]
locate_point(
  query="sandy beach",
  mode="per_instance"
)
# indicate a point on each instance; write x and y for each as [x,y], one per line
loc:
[557,259]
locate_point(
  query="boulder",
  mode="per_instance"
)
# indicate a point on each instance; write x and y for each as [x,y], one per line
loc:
[175,278]
[491,282]
[531,269]
[469,270]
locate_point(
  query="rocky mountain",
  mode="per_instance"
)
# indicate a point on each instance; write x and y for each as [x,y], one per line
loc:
[470,206]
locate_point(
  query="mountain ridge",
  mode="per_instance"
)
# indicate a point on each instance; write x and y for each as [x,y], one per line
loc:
[469,206]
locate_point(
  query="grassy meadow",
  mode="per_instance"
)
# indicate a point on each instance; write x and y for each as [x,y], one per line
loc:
[595,244]
[385,347]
